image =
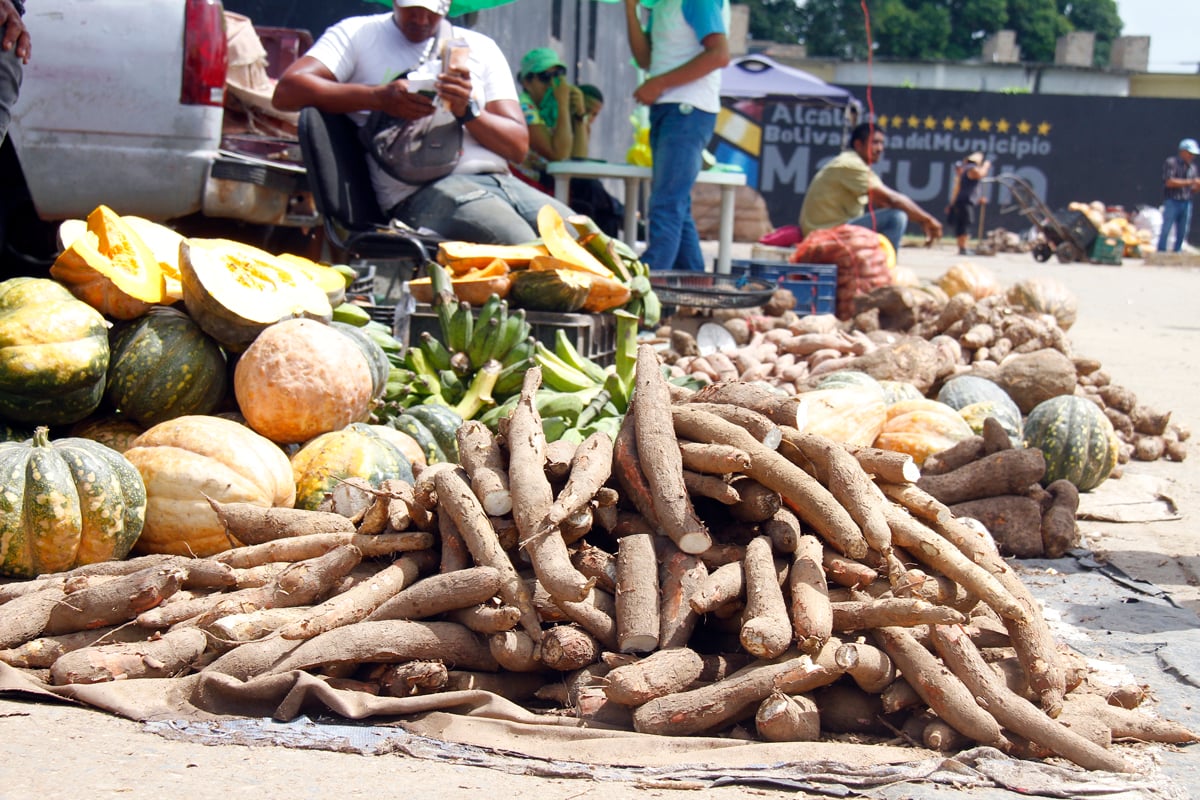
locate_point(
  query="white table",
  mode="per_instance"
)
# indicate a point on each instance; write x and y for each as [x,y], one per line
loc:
[634,178]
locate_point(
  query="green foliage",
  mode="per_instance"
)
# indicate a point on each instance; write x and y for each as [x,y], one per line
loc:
[932,29]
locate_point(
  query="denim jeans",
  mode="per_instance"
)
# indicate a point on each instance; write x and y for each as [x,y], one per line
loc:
[677,141]
[491,208]
[1175,214]
[891,222]
[10,84]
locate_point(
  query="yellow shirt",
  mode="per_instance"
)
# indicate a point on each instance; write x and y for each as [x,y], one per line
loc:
[838,193]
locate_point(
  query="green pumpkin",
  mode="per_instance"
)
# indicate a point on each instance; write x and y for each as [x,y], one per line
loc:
[53,353]
[847,377]
[899,391]
[66,503]
[377,359]
[443,422]
[163,366]
[559,290]
[355,451]
[1077,440]
[977,398]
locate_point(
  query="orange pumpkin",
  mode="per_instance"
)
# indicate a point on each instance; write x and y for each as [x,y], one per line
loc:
[109,267]
[184,460]
[854,414]
[921,428]
[301,378]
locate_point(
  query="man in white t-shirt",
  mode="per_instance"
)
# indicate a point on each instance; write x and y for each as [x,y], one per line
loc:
[350,70]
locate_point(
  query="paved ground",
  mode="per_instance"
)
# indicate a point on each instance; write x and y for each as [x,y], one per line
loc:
[1139,321]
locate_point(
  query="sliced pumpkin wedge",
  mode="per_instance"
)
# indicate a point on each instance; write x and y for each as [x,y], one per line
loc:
[562,244]
[234,291]
[459,257]
[164,243]
[110,267]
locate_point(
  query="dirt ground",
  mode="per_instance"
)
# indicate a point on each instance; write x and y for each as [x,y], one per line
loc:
[1139,321]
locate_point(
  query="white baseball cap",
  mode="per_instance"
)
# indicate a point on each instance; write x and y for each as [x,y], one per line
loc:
[436,6]
[1191,146]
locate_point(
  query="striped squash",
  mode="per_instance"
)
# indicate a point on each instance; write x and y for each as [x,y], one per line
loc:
[355,451]
[1075,437]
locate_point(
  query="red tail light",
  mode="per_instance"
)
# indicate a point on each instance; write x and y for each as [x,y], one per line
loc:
[204,54]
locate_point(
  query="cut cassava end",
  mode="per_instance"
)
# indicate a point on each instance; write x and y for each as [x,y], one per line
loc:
[480,454]
[766,628]
[637,595]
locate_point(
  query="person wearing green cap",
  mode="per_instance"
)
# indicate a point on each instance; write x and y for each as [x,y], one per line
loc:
[557,117]
[368,63]
[683,47]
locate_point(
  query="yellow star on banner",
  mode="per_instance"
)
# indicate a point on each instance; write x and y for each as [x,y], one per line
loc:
[930,123]
[1043,129]
[985,124]
[914,121]
[1002,126]
[965,124]
[897,121]
[1024,127]
[948,123]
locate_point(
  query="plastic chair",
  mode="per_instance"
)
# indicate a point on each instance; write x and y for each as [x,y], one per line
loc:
[337,175]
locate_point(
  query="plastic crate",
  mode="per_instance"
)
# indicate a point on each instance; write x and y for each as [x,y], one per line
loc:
[1108,250]
[594,335]
[814,285]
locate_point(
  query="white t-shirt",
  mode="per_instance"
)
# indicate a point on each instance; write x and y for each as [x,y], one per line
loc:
[371,50]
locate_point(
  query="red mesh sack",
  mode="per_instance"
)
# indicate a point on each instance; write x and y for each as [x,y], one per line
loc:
[860,259]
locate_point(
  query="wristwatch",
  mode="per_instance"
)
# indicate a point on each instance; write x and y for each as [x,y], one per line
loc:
[473,111]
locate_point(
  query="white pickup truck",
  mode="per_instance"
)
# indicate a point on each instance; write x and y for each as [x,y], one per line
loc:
[121,104]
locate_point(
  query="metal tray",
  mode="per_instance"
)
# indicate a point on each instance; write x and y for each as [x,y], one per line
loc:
[706,290]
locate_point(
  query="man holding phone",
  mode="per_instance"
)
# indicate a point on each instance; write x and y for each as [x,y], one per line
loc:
[362,64]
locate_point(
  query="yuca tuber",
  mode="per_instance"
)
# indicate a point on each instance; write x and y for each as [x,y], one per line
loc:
[487,618]
[25,617]
[713,459]
[591,467]
[757,425]
[43,651]
[1059,530]
[713,487]
[515,651]
[454,552]
[766,628]
[756,503]
[302,548]
[477,531]
[661,673]
[680,576]
[532,497]
[868,666]
[709,707]
[845,708]
[568,647]
[783,528]
[846,480]
[357,603]
[390,641]
[413,678]
[788,718]
[253,524]
[637,595]
[811,501]
[779,409]
[1005,472]
[1014,712]
[810,611]
[846,572]
[885,465]
[941,690]
[628,470]
[596,563]
[1013,520]
[437,594]
[234,629]
[171,654]
[941,555]
[659,457]
[480,454]
[902,612]
[723,584]
[114,601]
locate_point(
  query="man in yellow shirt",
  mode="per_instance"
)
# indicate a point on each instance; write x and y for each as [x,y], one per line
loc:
[842,189]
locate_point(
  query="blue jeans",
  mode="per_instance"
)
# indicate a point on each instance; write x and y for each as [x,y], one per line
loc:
[891,222]
[677,141]
[1175,214]
[490,208]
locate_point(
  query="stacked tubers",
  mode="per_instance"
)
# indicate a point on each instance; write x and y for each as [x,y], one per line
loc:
[857,602]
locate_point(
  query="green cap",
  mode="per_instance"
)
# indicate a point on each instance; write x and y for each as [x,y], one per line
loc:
[540,59]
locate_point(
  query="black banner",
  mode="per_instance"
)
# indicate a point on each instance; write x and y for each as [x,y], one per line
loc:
[1066,147]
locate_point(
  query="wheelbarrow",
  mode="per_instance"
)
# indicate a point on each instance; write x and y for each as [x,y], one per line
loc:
[1069,235]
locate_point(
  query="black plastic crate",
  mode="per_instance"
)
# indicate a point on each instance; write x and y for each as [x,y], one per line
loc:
[594,335]
[814,285]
